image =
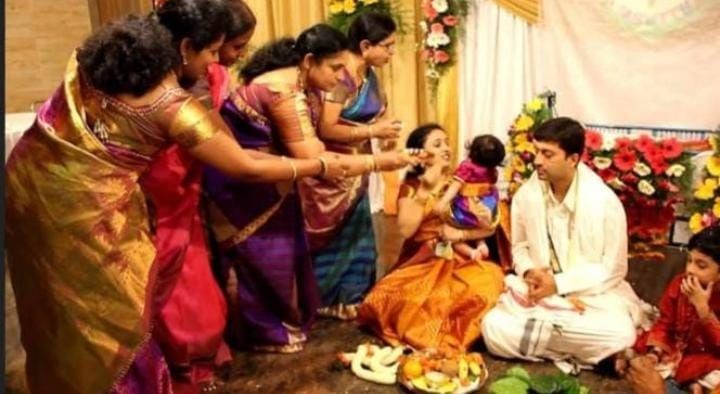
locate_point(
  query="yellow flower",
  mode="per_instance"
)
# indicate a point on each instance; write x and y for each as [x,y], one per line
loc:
[349,6]
[535,104]
[336,7]
[369,2]
[714,142]
[706,191]
[517,164]
[523,123]
[525,147]
[716,208]
[695,223]
[713,166]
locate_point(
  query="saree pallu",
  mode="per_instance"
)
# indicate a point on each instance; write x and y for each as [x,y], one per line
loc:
[190,308]
[79,252]
[337,212]
[427,301]
[260,235]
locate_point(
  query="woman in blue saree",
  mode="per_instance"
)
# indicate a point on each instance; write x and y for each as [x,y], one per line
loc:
[337,212]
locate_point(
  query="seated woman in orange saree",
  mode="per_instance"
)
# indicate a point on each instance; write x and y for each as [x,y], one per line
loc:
[429,301]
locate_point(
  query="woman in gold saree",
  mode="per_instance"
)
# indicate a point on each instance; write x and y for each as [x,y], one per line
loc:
[80,245]
[430,299]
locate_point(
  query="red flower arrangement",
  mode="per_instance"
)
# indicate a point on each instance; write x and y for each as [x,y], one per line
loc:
[648,175]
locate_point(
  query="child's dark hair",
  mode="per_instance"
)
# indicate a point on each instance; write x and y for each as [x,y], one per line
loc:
[707,242]
[487,151]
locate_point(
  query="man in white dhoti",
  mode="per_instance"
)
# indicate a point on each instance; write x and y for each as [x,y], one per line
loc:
[569,301]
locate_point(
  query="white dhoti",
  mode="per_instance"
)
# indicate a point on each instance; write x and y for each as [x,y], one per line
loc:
[555,328]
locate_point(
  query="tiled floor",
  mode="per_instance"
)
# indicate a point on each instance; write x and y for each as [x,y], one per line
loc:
[311,371]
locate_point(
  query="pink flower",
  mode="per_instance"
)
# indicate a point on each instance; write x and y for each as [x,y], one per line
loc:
[607,174]
[644,143]
[430,12]
[658,164]
[623,143]
[437,28]
[441,56]
[629,178]
[670,148]
[624,160]
[593,140]
[450,20]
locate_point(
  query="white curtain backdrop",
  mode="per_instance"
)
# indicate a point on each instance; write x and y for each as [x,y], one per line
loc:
[498,70]
[633,62]
[612,62]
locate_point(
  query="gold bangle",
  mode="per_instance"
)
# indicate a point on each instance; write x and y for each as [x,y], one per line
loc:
[292,166]
[323,166]
[369,132]
[353,134]
[369,163]
[464,236]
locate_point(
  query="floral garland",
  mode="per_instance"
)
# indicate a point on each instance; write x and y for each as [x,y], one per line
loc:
[705,207]
[343,12]
[440,26]
[648,175]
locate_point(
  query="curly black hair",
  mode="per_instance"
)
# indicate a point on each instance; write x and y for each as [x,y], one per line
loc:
[200,21]
[487,151]
[371,26]
[320,40]
[707,242]
[131,55]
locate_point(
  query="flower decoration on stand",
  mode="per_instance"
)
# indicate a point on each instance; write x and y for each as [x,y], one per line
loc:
[649,176]
[343,12]
[705,207]
[440,25]
[520,149]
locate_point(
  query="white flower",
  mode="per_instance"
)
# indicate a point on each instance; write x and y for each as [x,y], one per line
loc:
[608,142]
[646,188]
[435,40]
[431,73]
[641,169]
[616,184]
[424,27]
[675,170]
[440,5]
[602,162]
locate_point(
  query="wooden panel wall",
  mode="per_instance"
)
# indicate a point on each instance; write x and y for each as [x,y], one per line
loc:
[40,35]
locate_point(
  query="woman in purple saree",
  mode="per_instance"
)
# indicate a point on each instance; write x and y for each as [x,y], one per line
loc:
[273,296]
